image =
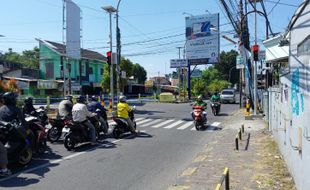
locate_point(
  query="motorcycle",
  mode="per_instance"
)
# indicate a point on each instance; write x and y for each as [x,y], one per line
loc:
[55,128]
[76,133]
[121,126]
[198,117]
[96,121]
[215,107]
[15,140]
[38,129]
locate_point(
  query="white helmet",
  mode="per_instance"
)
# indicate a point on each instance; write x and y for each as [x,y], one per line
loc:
[122,98]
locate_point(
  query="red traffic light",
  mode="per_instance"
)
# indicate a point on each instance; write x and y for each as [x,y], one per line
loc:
[255,50]
[109,55]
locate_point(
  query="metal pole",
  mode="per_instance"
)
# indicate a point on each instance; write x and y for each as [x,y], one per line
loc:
[179,74]
[255,65]
[111,66]
[118,54]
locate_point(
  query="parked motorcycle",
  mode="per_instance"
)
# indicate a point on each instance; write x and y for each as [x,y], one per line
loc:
[198,117]
[15,140]
[77,133]
[38,129]
[215,107]
[121,126]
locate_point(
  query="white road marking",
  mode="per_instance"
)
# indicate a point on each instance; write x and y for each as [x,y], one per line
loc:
[186,125]
[138,119]
[215,124]
[163,123]
[193,129]
[173,124]
[151,123]
[144,121]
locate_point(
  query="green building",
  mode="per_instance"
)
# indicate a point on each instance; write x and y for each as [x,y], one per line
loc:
[83,76]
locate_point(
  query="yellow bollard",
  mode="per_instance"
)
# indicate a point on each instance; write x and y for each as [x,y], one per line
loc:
[248,107]
[102,101]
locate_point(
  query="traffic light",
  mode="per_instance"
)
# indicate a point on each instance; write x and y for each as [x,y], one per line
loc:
[109,57]
[255,50]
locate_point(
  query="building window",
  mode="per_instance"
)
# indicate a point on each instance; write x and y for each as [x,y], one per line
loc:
[304,47]
[101,71]
[83,69]
[91,70]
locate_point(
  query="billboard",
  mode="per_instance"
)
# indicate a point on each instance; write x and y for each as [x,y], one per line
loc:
[73,30]
[202,39]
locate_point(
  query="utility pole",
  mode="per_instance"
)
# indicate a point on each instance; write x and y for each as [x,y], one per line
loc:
[179,73]
[255,63]
[118,51]
[241,40]
[62,64]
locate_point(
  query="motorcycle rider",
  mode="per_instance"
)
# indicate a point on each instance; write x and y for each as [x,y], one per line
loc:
[65,108]
[80,115]
[92,106]
[28,107]
[200,102]
[123,110]
[8,113]
[215,97]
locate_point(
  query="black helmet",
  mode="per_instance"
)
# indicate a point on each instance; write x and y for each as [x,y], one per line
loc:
[68,98]
[122,98]
[9,98]
[94,98]
[80,99]
[28,100]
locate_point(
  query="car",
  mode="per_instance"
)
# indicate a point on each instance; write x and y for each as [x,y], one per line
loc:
[228,95]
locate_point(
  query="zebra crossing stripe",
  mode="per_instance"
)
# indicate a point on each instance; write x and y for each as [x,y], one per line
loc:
[187,124]
[151,123]
[144,121]
[173,124]
[163,123]
[193,129]
[138,119]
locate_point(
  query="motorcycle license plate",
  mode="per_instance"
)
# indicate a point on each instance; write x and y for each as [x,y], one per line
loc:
[65,130]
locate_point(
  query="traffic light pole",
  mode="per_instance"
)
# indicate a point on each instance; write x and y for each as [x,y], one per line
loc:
[111,65]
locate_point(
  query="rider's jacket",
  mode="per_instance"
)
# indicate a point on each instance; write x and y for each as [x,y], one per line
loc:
[123,109]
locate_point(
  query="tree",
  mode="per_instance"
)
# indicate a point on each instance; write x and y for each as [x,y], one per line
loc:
[227,62]
[139,73]
[29,58]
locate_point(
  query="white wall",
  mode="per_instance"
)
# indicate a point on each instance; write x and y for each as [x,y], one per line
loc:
[290,107]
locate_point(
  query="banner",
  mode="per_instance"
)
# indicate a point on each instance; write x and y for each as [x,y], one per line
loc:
[177,63]
[202,38]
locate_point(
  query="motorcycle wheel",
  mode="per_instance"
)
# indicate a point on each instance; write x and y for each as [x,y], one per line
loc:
[197,126]
[214,111]
[116,133]
[69,142]
[25,156]
[53,134]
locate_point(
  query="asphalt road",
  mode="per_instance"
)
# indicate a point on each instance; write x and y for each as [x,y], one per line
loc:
[153,160]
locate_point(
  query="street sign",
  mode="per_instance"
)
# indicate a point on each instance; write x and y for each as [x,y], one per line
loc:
[239,62]
[177,63]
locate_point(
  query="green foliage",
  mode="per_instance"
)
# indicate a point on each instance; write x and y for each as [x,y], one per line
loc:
[29,58]
[227,62]
[217,85]
[139,73]
[135,70]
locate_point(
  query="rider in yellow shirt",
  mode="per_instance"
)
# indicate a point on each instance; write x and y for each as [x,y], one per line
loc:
[122,112]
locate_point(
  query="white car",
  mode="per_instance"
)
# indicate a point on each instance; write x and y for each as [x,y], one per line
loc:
[228,95]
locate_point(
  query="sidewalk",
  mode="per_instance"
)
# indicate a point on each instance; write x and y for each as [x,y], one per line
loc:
[260,167]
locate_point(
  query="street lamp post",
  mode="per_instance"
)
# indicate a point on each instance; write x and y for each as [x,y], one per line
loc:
[110,10]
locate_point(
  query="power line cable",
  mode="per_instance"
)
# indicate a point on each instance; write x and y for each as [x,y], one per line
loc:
[273,7]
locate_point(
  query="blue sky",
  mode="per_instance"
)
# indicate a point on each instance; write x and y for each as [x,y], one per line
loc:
[140,20]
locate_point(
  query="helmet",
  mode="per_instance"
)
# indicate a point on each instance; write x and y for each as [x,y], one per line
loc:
[80,99]
[28,100]
[94,98]
[68,98]
[122,98]
[9,98]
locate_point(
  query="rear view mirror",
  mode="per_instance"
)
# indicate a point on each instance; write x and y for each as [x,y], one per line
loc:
[134,107]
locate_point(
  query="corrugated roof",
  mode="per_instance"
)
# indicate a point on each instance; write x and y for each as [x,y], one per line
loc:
[86,54]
